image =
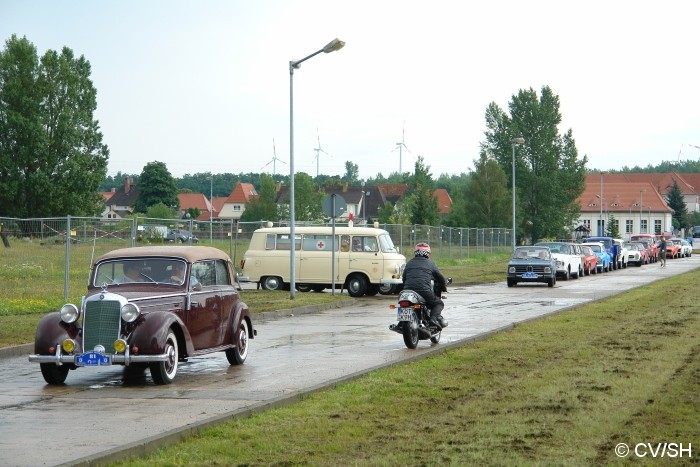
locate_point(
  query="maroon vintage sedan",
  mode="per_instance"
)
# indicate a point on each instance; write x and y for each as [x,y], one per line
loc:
[148,307]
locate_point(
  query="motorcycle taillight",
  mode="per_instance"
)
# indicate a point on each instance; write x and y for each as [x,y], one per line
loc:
[405,304]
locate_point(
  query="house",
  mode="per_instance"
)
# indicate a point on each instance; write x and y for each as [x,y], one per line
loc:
[120,203]
[235,204]
[635,207]
[198,201]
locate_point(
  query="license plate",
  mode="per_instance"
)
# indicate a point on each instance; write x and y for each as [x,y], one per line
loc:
[529,275]
[93,359]
[404,314]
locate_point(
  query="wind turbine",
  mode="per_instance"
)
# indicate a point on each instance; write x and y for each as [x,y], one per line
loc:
[274,159]
[318,151]
[401,145]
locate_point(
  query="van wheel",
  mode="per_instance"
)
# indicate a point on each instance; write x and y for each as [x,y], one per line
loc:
[303,288]
[356,285]
[272,283]
[372,289]
[387,289]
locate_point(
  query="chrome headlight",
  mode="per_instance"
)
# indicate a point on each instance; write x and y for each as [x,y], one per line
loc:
[69,313]
[511,269]
[130,312]
[547,270]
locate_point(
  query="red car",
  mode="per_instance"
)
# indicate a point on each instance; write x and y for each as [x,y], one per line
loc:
[148,307]
[590,261]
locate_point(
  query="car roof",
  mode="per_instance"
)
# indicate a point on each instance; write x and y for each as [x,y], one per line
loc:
[189,253]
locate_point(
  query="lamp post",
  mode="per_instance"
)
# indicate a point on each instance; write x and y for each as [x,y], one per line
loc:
[513,142]
[332,46]
[211,210]
[641,205]
[601,231]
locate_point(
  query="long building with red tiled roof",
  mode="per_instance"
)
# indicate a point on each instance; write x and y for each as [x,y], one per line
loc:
[635,206]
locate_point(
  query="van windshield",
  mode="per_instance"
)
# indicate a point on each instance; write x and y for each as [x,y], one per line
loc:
[386,244]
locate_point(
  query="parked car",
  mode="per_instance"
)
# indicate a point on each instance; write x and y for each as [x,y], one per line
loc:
[604,260]
[685,250]
[623,255]
[649,240]
[637,253]
[181,236]
[611,247]
[531,264]
[590,260]
[567,258]
[148,307]
[673,250]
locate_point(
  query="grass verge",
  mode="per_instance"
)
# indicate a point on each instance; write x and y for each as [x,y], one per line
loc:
[564,390]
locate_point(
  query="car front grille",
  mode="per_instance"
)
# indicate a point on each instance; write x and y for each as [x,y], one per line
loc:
[101,324]
[520,269]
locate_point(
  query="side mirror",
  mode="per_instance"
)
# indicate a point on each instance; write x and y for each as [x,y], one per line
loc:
[449,280]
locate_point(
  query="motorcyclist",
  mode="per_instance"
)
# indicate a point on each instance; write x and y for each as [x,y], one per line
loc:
[417,276]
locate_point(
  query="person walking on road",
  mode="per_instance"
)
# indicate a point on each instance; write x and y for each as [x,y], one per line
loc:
[662,251]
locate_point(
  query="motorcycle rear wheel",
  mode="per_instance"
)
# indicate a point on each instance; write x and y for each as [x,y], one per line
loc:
[410,336]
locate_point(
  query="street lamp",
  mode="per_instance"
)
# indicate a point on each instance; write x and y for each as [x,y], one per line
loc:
[332,46]
[211,210]
[513,142]
[364,195]
[601,231]
[641,205]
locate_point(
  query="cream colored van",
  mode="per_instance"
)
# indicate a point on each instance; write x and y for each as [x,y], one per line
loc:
[366,260]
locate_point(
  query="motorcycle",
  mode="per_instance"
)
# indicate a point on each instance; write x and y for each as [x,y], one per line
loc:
[413,318]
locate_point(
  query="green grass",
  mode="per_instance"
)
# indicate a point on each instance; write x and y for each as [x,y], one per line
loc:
[559,391]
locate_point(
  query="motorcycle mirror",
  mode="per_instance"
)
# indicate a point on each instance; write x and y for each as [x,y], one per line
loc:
[448,280]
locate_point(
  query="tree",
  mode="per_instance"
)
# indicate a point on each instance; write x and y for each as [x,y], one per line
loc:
[156,186]
[612,228]
[52,159]
[549,174]
[307,200]
[487,202]
[420,199]
[161,211]
[263,207]
[675,201]
[352,173]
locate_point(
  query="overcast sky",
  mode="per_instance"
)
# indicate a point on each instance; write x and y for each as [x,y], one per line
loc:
[203,86]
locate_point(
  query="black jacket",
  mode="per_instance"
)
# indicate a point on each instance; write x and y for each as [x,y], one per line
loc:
[419,272]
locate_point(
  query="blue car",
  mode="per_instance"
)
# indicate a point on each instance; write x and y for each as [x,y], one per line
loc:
[604,259]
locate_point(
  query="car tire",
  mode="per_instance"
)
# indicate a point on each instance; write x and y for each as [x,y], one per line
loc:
[272,283]
[236,355]
[372,290]
[511,282]
[164,372]
[303,288]
[356,285]
[551,282]
[54,374]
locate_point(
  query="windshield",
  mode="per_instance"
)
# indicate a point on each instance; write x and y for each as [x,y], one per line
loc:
[138,270]
[531,253]
[386,244]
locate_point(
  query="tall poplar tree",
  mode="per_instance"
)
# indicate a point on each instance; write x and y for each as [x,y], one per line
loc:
[549,174]
[156,185]
[52,159]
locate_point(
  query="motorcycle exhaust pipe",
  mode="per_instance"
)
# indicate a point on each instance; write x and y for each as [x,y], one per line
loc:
[423,332]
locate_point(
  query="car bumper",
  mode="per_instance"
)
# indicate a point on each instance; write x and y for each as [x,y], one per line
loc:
[115,359]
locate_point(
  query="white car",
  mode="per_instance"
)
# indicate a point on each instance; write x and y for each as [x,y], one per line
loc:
[567,257]
[623,259]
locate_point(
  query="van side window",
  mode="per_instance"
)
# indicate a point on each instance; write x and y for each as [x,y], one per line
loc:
[318,243]
[270,241]
[362,243]
[345,243]
[282,242]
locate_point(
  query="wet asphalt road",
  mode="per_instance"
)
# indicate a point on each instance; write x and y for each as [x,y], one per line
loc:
[97,416]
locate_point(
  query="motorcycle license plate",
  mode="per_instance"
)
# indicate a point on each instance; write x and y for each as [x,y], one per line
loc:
[404,314]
